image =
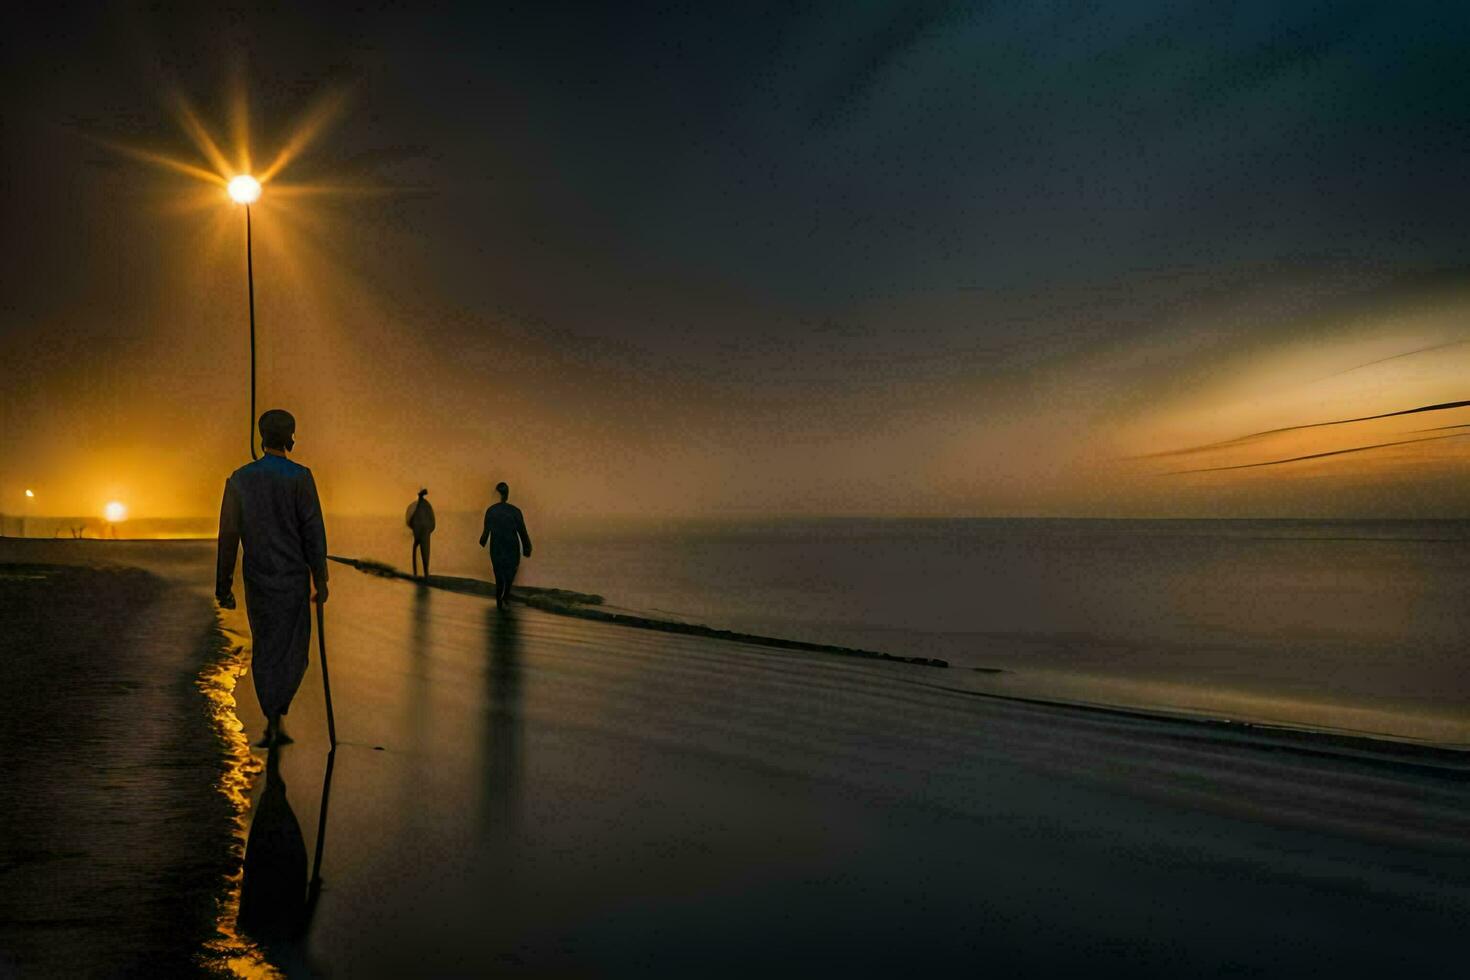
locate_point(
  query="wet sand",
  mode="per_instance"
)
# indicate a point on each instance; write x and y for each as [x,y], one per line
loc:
[547,795]
[552,796]
[114,838]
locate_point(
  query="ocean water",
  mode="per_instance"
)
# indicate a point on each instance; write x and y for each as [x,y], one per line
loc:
[531,793]
[1351,625]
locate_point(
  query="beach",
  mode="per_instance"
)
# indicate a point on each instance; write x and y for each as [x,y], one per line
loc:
[536,793]
[984,488]
[115,840]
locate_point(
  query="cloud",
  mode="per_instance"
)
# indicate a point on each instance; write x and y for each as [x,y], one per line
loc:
[1240,440]
[1298,459]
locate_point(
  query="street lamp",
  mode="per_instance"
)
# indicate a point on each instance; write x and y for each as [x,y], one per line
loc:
[245,190]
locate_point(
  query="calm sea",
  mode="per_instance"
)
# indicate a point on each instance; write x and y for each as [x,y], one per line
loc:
[1352,625]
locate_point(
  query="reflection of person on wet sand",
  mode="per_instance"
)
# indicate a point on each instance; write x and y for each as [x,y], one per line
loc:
[276,898]
[502,763]
[505,529]
[420,520]
[271,507]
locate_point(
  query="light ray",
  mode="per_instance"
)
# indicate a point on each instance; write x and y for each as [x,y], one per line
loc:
[202,200]
[340,189]
[240,121]
[158,160]
[321,115]
[324,111]
[194,129]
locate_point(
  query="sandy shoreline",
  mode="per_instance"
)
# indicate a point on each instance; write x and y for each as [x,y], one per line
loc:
[114,840]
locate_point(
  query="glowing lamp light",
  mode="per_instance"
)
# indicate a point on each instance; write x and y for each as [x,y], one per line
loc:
[244,189]
[115,512]
[30,493]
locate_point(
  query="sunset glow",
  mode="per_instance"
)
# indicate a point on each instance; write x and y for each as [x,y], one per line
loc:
[1072,399]
[999,476]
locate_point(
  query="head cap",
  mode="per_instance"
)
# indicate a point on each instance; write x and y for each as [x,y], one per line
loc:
[277,426]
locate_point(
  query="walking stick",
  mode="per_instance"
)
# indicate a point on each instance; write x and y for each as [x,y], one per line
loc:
[321,645]
[314,883]
[321,821]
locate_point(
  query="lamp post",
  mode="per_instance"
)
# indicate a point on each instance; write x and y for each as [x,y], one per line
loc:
[245,190]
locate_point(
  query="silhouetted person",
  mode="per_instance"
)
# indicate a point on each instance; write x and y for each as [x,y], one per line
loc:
[505,529]
[420,520]
[271,507]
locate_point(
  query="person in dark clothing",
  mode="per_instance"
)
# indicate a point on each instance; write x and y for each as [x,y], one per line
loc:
[271,507]
[505,529]
[420,520]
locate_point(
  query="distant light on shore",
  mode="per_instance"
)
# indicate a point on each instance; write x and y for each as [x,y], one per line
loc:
[115,512]
[30,493]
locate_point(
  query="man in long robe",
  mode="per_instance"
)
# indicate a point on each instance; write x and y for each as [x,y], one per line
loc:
[420,520]
[505,529]
[271,507]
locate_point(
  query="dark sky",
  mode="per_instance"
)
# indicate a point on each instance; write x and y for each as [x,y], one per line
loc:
[931,258]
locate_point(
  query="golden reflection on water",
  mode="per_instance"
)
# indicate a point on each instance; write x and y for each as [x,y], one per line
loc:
[230,954]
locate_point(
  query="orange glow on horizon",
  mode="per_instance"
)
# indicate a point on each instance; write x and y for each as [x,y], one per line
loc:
[115,512]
